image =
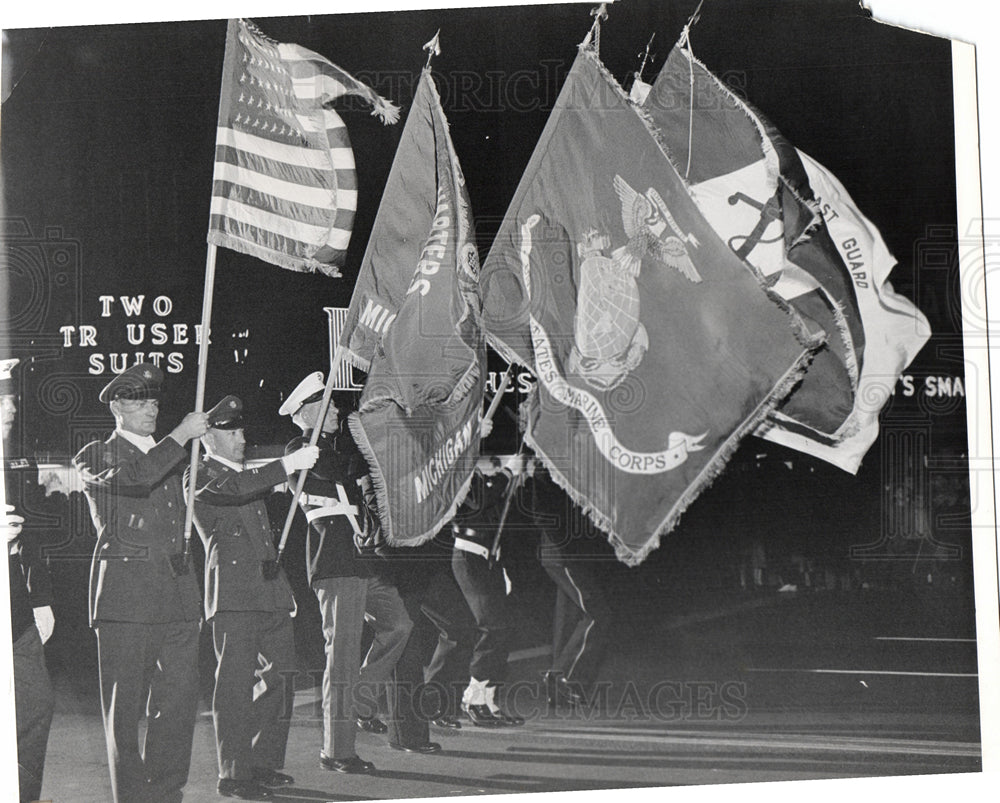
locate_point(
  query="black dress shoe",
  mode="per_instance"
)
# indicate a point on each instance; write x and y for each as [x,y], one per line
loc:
[561,692]
[351,766]
[271,778]
[244,790]
[508,720]
[372,725]
[425,748]
[446,721]
[481,716]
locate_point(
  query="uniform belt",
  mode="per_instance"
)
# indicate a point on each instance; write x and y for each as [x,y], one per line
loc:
[330,506]
[470,546]
[318,501]
[335,509]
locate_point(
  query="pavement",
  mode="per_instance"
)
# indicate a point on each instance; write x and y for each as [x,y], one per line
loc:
[706,689]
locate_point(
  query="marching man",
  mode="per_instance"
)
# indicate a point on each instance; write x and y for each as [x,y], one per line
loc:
[346,585]
[249,602]
[145,607]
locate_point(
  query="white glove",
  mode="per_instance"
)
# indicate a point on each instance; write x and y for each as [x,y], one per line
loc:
[11,523]
[485,427]
[45,621]
[303,458]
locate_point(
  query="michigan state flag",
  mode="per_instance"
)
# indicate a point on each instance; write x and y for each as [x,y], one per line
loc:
[414,324]
[656,348]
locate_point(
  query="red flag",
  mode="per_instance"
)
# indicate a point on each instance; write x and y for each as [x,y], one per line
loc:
[656,349]
[284,188]
[418,423]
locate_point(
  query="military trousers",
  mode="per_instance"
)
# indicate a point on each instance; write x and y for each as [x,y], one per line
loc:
[149,668]
[254,690]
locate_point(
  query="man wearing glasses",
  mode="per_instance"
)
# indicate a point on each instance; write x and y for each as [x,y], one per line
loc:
[145,604]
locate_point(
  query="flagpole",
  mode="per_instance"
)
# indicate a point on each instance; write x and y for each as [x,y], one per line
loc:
[199,403]
[313,440]
[514,482]
[498,396]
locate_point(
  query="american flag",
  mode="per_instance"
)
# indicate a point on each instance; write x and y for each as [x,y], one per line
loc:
[284,188]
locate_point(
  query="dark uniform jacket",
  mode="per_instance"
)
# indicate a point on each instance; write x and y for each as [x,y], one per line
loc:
[476,524]
[332,540]
[137,503]
[232,521]
[30,586]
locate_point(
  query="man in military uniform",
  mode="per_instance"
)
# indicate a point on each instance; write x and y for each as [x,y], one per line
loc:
[249,604]
[583,619]
[145,606]
[349,590]
[475,563]
[31,617]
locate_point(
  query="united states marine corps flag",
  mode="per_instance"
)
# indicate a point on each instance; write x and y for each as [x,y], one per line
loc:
[414,324]
[655,347]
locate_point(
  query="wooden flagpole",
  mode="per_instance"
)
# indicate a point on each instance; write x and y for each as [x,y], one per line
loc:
[181,566]
[498,396]
[491,410]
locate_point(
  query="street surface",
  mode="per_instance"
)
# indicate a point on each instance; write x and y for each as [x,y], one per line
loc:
[713,688]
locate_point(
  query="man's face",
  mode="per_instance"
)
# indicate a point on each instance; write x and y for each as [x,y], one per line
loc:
[310,414]
[8,409]
[136,415]
[227,443]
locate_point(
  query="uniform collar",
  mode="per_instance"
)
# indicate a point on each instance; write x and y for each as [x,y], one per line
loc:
[142,442]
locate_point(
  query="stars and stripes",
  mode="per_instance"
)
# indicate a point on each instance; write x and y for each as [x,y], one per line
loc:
[284,188]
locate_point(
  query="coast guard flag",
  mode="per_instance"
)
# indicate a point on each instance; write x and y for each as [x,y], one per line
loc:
[895,330]
[749,184]
[284,187]
[414,324]
[759,194]
[655,348]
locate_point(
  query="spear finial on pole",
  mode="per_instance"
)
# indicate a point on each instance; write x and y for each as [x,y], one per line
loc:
[686,30]
[433,48]
[645,56]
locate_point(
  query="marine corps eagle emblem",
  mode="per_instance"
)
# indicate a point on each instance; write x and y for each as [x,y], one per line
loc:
[610,341]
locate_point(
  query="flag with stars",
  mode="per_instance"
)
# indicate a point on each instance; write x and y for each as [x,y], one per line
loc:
[284,188]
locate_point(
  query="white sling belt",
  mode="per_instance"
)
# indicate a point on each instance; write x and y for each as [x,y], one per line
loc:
[328,506]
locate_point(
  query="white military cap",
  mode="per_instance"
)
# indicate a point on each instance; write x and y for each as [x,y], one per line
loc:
[309,389]
[7,385]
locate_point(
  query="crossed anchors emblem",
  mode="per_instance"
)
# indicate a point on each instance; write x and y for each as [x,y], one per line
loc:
[610,341]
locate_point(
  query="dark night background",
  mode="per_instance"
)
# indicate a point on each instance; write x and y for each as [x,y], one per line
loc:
[108,137]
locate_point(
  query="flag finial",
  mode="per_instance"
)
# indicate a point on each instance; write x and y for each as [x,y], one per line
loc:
[645,56]
[686,31]
[593,38]
[433,48]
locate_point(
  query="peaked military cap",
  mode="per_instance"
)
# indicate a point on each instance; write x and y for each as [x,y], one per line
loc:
[8,386]
[141,381]
[308,390]
[227,414]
